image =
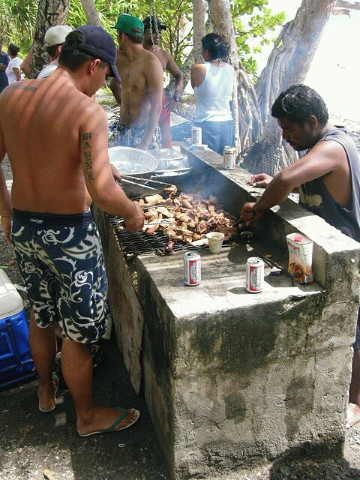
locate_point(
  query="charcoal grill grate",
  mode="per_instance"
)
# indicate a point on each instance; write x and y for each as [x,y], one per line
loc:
[138,243]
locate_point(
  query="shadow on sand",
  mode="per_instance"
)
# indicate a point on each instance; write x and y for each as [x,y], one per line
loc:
[298,464]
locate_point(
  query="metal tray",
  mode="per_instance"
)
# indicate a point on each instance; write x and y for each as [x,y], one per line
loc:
[170,160]
[173,176]
[132,161]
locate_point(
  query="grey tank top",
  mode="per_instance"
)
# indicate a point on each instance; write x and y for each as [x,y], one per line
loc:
[315,197]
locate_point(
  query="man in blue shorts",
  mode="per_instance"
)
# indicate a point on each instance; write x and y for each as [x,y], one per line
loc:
[60,167]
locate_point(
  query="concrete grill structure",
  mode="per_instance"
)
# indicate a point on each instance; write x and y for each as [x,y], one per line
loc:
[232,378]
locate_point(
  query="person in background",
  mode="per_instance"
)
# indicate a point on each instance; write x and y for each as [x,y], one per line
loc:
[48,219]
[328,179]
[26,64]
[54,40]
[213,84]
[141,90]
[4,62]
[13,71]
[151,42]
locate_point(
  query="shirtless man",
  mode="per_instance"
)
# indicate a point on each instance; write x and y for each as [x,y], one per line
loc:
[53,234]
[328,177]
[151,42]
[141,90]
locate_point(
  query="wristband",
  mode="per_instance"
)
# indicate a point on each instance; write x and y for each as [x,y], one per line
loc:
[176,98]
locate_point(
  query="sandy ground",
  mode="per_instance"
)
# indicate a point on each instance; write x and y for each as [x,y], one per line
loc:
[33,445]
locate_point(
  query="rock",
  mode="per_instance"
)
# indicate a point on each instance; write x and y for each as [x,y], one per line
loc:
[49,475]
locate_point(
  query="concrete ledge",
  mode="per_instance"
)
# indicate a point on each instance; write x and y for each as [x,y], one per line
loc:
[289,217]
[233,378]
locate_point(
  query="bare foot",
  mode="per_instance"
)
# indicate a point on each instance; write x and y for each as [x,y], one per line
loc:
[107,420]
[47,396]
[353,415]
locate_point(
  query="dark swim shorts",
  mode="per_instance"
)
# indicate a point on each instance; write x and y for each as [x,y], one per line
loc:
[61,261]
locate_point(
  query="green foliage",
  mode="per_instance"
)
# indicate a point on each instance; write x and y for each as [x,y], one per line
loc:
[17,21]
[177,15]
[252,23]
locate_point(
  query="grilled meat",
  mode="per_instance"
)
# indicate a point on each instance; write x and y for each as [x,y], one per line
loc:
[171,190]
[193,217]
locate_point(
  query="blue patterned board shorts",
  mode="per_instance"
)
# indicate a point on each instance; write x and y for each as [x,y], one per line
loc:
[123,135]
[62,264]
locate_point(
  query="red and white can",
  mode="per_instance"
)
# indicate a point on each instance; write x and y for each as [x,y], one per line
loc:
[300,258]
[192,269]
[254,275]
[229,157]
[196,136]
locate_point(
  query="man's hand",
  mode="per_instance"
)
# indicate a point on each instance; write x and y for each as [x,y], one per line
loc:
[260,180]
[135,221]
[169,105]
[116,173]
[6,226]
[249,213]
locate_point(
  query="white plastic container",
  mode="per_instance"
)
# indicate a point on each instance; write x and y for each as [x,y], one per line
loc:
[10,301]
[215,240]
[16,363]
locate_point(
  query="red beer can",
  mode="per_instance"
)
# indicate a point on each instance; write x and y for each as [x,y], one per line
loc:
[254,275]
[192,269]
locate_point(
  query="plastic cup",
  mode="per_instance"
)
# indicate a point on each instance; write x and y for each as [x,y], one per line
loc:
[215,240]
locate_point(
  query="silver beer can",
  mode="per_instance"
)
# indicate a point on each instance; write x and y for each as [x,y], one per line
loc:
[254,275]
[192,269]
[196,136]
[229,157]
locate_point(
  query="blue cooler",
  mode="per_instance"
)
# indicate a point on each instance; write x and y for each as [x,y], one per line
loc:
[16,363]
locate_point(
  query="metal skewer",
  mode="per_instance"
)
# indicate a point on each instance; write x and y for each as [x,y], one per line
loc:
[158,205]
[137,184]
[145,180]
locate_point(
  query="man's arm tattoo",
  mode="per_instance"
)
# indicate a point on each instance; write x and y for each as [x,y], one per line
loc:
[86,147]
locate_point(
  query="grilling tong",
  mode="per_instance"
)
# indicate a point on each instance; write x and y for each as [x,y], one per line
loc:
[142,182]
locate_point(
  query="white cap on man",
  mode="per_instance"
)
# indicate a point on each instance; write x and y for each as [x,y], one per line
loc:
[56,35]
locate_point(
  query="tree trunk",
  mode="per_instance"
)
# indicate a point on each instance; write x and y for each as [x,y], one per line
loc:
[50,13]
[199,14]
[288,64]
[91,13]
[249,125]
[186,66]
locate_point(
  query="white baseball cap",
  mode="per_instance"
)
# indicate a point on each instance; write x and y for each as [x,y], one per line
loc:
[56,35]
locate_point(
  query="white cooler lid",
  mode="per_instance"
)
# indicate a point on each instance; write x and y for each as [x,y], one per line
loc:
[10,301]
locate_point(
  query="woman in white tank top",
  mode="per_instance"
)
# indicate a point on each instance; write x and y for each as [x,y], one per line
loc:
[213,86]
